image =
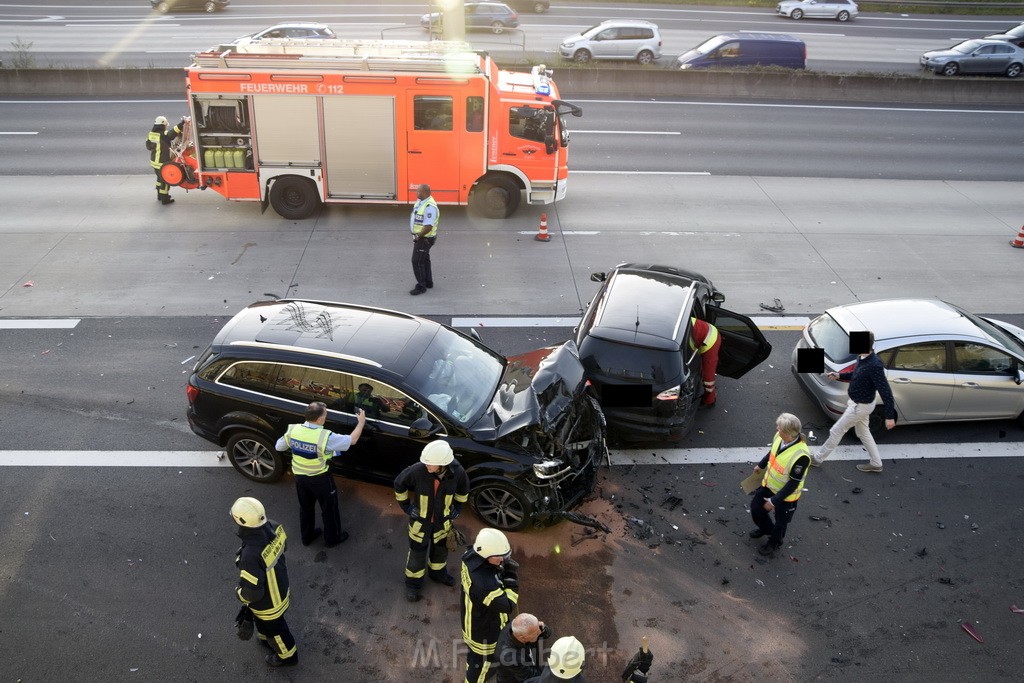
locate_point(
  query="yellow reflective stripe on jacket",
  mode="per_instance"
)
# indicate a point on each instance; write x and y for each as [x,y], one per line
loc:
[250,578]
[273,550]
[277,610]
[709,341]
[155,138]
[776,475]
[461,497]
[301,464]
[401,496]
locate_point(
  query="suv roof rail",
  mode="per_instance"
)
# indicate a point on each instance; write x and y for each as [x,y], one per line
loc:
[305,349]
[361,307]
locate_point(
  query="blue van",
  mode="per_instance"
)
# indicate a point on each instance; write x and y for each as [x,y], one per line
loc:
[732,50]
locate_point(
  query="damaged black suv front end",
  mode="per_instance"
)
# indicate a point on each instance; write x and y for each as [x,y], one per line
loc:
[544,412]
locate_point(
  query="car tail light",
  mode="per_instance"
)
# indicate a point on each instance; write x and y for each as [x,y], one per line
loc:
[848,368]
[192,392]
[669,394]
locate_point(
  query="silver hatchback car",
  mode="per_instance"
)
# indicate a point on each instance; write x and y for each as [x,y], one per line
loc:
[943,363]
[623,39]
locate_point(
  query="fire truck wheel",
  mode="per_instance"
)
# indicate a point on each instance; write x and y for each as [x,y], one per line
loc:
[496,197]
[294,198]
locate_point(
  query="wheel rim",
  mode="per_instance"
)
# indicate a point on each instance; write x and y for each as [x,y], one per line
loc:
[500,508]
[252,457]
[646,58]
[1013,71]
[797,14]
[582,57]
[497,27]
[843,16]
[293,198]
[950,69]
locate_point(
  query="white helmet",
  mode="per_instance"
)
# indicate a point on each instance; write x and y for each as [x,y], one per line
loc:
[249,512]
[160,121]
[491,543]
[437,453]
[566,658]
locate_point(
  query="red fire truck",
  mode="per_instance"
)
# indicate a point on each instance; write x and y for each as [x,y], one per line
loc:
[297,123]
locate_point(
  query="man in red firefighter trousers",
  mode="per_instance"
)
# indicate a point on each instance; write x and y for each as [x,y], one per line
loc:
[708,342]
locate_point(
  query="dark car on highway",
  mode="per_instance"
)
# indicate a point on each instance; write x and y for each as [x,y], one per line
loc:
[495,16]
[527,429]
[165,6]
[978,56]
[1013,35]
[636,344]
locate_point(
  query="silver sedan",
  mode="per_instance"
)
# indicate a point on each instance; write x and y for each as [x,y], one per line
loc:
[943,363]
[978,56]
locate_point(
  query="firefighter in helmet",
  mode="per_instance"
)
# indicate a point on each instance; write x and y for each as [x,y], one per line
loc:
[432,492]
[565,663]
[490,591]
[158,142]
[263,579]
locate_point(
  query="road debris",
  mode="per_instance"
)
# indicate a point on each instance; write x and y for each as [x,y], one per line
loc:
[923,552]
[29,283]
[775,307]
[945,581]
[1016,610]
[672,502]
[971,632]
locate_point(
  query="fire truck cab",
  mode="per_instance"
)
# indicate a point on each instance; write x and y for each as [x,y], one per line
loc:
[298,123]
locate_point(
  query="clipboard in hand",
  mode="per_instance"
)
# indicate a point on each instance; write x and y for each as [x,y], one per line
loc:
[751,483]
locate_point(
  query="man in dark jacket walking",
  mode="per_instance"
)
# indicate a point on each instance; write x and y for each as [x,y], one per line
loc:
[432,492]
[518,649]
[263,579]
[158,142]
[866,379]
[490,591]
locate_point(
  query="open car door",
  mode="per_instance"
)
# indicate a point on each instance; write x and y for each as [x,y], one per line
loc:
[743,346]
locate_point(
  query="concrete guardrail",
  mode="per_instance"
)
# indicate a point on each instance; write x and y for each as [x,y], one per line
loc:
[574,82]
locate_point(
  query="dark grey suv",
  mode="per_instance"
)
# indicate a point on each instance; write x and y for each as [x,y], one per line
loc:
[635,344]
[526,428]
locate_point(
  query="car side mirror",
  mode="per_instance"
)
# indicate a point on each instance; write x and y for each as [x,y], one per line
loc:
[598,277]
[423,428]
[1019,376]
[718,297]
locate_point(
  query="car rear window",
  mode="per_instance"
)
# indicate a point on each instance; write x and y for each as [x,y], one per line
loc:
[613,360]
[827,334]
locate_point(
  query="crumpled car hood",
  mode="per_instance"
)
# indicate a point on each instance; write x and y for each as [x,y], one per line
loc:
[537,388]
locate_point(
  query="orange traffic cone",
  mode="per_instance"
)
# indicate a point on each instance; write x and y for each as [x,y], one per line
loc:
[543,235]
[1019,242]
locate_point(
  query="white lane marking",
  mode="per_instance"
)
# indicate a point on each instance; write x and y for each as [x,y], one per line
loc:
[645,456]
[915,451]
[15,132]
[577,131]
[36,324]
[762,322]
[564,232]
[113,459]
[776,105]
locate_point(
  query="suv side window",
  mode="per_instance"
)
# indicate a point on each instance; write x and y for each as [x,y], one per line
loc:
[607,34]
[305,384]
[249,375]
[382,402]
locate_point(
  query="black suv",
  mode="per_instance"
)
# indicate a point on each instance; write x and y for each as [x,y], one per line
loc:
[635,343]
[526,429]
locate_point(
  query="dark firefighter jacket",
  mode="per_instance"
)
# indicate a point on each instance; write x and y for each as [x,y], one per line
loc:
[158,142]
[517,661]
[414,489]
[486,603]
[263,580]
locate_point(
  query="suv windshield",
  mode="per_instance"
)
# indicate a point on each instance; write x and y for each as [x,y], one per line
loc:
[457,376]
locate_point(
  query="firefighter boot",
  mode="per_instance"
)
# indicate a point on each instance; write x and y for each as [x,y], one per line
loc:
[167,199]
[275,661]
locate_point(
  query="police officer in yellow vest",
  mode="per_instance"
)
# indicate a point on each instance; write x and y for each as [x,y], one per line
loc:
[312,447]
[158,142]
[263,579]
[785,468]
[423,226]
